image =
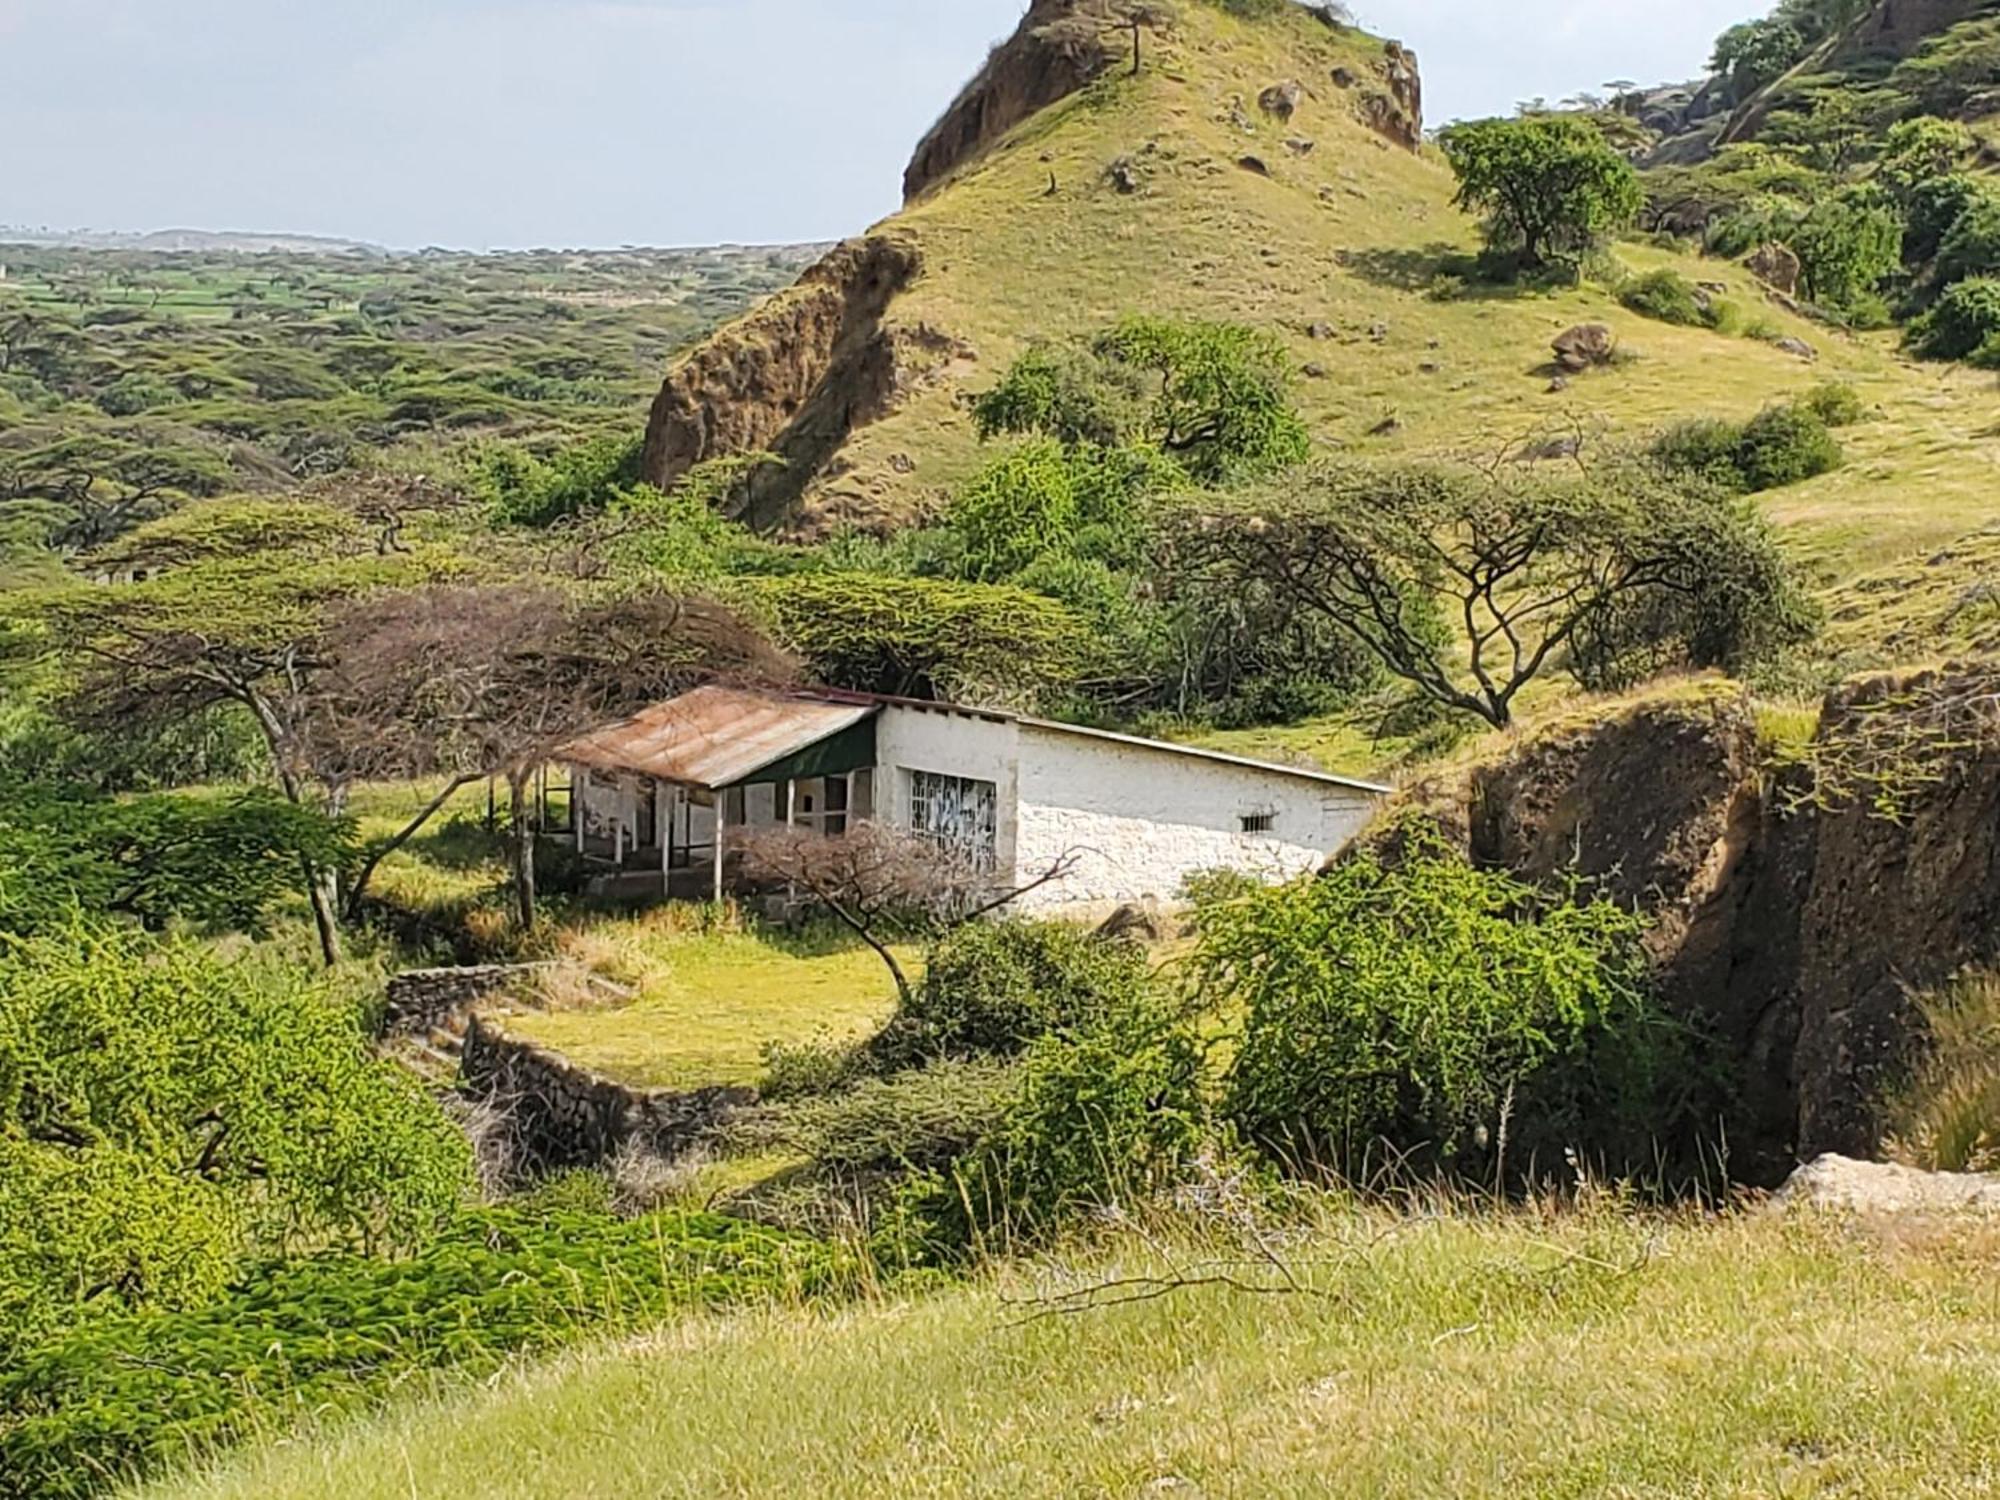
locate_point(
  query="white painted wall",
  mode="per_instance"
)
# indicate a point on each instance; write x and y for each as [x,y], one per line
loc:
[1139,820]
[949,744]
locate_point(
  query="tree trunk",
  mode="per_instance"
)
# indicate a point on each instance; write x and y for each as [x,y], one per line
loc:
[522,847]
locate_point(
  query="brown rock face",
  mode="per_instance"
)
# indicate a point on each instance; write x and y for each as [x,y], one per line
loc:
[1060,46]
[1777,266]
[1793,918]
[794,377]
[1585,347]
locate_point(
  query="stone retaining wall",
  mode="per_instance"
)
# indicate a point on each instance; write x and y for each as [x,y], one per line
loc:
[565,1116]
[421,1000]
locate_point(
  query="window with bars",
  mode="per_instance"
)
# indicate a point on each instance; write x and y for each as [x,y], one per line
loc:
[959,814]
[1260,822]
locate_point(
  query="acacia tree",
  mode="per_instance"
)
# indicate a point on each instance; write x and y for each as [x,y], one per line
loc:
[1550,186]
[468,682]
[230,631]
[877,881]
[1471,583]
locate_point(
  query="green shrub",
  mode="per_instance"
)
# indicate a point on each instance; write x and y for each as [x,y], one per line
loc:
[220,865]
[163,1112]
[1784,445]
[1452,1015]
[1781,445]
[992,988]
[1835,403]
[1965,320]
[1103,1117]
[1669,297]
[925,638]
[1934,208]
[1213,397]
[137,1394]
[917,1119]
[524,490]
[1705,447]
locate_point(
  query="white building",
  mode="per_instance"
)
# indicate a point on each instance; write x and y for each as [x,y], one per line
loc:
[1131,818]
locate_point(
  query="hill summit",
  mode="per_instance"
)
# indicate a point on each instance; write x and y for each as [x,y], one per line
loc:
[1264,164]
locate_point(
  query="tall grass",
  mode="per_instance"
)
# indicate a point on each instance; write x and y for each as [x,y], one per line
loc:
[1460,1351]
[1947,1118]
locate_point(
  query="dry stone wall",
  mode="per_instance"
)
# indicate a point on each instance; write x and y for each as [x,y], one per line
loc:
[564,1116]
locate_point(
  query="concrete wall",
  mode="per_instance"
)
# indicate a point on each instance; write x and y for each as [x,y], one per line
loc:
[949,744]
[1140,819]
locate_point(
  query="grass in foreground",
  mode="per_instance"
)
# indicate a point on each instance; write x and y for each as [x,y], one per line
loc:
[1523,1355]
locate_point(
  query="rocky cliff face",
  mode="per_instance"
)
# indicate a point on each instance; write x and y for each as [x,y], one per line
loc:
[1797,908]
[793,377]
[1060,46]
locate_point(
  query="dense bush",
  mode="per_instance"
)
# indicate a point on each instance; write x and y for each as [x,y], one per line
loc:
[1214,397]
[1104,1116]
[1971,246]
[524,490]
[1846,247]
[1451,1015]
[919,1118]
[220,865]
[992,988]
[1965,324]
[1781,445]
[1785,445]
[137,1393]
[1669,297]
[925,638]
[164,1113]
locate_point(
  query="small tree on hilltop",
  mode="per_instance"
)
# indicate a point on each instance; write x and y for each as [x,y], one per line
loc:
[1550,185]
[1512,571]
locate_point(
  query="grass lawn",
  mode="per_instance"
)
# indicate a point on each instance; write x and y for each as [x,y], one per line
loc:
[1519,1356]
[709,1001]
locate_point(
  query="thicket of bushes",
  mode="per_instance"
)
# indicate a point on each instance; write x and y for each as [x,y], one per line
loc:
[132,1394]
[1782,445]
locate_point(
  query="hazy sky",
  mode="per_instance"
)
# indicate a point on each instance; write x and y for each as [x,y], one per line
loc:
[488,123]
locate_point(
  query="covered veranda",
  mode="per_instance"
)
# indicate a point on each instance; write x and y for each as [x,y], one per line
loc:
[654,800]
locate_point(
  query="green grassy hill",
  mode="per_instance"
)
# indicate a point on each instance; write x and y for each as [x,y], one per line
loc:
[1342,243]
[1516,1356]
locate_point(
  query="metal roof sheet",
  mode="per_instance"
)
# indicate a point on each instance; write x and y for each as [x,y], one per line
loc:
[714,737]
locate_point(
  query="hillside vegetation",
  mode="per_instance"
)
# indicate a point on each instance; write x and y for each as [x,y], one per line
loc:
[1131,195]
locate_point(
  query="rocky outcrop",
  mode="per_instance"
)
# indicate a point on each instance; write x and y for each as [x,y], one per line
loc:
[1585,347]
[1866,1187]
[1060,46]
[1797,909]
[795,377]
[1398,111]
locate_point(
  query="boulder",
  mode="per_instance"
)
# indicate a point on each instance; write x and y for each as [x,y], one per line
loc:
[1585,347]
[1255,164]
[1776,266]
[1841,1182]
[1282,99]
[1798,348]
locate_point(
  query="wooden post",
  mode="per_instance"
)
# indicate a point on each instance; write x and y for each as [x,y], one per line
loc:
[618,823]
[791,803]
[663,819]
[579,784]
[721,823]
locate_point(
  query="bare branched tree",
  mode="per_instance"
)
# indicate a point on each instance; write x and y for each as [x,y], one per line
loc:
[879,881]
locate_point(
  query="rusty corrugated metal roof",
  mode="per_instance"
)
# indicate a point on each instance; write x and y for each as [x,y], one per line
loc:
[715,736]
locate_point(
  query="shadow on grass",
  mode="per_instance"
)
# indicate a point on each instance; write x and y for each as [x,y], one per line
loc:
[1441,271]
[461,843]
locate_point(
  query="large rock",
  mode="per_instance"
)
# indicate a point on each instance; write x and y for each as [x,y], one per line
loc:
[1777,267]
[1585,347]
[1840,1182]
[1282,99]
